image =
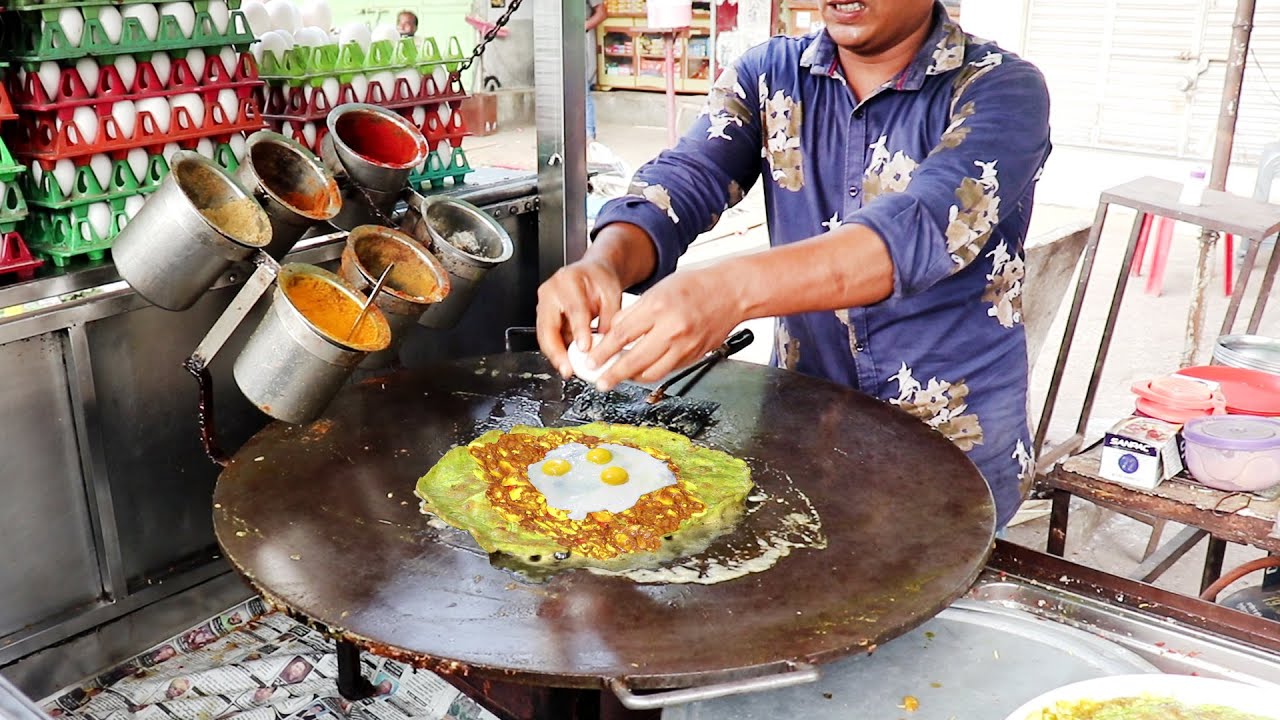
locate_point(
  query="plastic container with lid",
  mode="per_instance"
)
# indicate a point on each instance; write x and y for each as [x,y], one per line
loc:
[1177,399]
[1237,453]
[1247,392]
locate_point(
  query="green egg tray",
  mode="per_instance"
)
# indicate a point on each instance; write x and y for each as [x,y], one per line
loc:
[437,172]
[63,235]
[39,37]
[313,65]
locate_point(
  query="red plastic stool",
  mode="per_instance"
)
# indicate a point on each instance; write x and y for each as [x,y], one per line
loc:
[1160,256]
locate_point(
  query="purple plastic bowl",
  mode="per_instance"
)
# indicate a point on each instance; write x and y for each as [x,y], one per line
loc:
[1238,453]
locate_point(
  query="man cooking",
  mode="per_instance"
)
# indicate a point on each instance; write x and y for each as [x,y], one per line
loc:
[900,157]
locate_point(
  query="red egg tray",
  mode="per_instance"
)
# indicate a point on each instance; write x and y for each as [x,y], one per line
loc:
[40,137]
[15,258]
[307,103]
[6,107]
[71,92]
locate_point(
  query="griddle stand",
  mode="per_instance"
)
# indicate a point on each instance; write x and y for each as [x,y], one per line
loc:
[352,684]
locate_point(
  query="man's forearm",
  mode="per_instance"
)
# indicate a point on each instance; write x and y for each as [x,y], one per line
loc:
[627,249]
[847,267]
[597,16]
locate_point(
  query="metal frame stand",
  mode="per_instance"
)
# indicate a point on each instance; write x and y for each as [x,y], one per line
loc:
[352,684]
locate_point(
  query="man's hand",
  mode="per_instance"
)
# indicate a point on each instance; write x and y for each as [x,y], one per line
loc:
[569,301]
[673,325]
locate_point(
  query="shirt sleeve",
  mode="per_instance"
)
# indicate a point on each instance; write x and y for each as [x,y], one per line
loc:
[992,151]
[681,194]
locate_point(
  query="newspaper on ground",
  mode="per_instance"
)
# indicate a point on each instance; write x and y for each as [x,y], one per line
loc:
[251,664]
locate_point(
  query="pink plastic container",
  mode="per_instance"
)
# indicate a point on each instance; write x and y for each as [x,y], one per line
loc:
[1177,399]
[1238,453]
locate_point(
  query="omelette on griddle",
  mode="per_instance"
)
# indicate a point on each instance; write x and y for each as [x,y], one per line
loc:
[590,495]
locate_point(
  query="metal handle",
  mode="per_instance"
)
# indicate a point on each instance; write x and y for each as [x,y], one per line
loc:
[799,674]
[738,342]
[253,289]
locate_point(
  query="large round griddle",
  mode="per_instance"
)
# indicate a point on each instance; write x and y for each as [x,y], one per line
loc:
[322,519]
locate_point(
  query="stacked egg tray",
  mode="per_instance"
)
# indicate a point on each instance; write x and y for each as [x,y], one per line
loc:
[34,32]
[15,257]
[94,150]
[419,82]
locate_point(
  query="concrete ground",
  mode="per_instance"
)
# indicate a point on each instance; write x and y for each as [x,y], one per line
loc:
[1148,338]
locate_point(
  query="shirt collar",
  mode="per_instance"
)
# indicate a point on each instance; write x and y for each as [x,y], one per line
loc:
[943,51]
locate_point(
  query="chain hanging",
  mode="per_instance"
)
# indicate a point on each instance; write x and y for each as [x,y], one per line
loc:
[492,33]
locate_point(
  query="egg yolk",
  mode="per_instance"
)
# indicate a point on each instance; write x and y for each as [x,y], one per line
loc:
[613,476]
[599,456]
[556,467]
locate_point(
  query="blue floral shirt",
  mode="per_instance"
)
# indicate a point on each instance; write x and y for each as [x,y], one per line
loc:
[941,162]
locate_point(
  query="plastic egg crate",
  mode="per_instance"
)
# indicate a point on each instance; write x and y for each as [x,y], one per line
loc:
[158,120]
[6,104]
[443,164]
[300,65]
[51,32]
[406,90]
[83,230]
[13,207]
[62,184]
[15,257]
[9,168]
[307,133]
[441,124]
[49,87]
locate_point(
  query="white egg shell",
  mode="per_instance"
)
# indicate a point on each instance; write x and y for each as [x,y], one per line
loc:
[356,32]
[330,87]
[412,77]
[441,76]
[196,61]
[255,13]
[581,490]
[256,51]
[147,15]
[169,150]
[163,66]
[237,146]
[309,134]
[49,73]
[317,13]
[64,172]
[419,116]
[385,31]
[286,129]
[101,166]
[284,15]
[184,13]
[128,69]
[37,173]
[100,219]
[205,147]
[360,86]
[192,103]
[273,43]
[72,22]
[126,117]
[229,103]
[87,69]
[220,14]
[308,37]
[159,110]
[112,23]
[385,80]
[578,360]
[86,121]
[444,114]
[138,160]
[133,204]
[230,60]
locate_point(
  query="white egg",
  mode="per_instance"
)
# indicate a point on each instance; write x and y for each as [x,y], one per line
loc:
[317,13]
[71,20]
[309,134]
[358,33]
[126,117]
[256,51]
[101,166]
[147,16]
[169,150]
[418,116]
[256,15]
[385,32]
[138,160]
[112,23]
[100,219]
[286,129]
[412,81]
[237,146]
[330,87]
[128,69]
[163,65]
[230,60]
[196,61]
[133,204]
[159,110]
[284,15]
[37,172]
[64,172]
[443,113]
[229,103]
[386,80]
[272,44]
[49,74]
[86,121]
[441,76]
[87,69]
[578,360]
[360,87]
[220,14]
[193,104]
[582,489]
[205,147]
[312,37]
[184,13]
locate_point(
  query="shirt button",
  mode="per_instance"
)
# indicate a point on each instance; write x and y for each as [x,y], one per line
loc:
[860,347]
[853,191]
[857,114]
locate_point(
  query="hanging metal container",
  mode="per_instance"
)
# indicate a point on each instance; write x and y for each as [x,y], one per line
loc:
[294,187]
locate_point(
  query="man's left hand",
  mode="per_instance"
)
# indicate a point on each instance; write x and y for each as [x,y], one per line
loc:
[673,325]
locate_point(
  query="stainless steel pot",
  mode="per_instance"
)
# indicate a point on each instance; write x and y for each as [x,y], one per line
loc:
[417,280]
[372,151]
[294,187]
[468,242]
[1255,352]
[198,222]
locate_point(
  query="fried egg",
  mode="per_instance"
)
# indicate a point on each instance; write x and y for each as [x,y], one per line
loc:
[580,480]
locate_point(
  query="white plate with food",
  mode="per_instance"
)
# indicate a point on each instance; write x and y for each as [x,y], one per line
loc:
[1154,697]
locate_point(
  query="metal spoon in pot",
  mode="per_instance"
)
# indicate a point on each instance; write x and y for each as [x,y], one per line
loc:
[369,303]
